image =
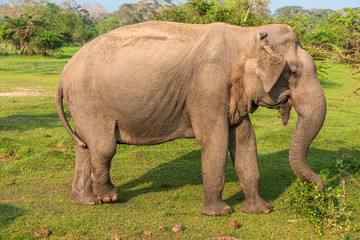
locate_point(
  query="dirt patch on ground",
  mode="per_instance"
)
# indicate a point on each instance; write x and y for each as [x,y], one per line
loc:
[8,157]
[20,94]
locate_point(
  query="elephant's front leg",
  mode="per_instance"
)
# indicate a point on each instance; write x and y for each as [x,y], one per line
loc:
[213,158]
[214,147]
[243,152]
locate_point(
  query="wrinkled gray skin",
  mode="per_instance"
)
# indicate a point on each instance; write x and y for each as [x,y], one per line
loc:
[154,82]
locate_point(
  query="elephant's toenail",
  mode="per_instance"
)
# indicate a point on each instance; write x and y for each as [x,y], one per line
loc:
[115,197]
[93,203]
[228,210]
[106,199]
[99,198]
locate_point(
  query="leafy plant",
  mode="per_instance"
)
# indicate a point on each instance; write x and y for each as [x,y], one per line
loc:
[323,210]
[348,163]
[236,12]
[322,70]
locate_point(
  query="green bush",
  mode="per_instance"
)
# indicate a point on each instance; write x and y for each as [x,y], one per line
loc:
[47,40]
[323,210]
[236,12]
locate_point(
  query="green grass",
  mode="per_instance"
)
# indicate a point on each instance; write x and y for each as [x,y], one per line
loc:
[158,185]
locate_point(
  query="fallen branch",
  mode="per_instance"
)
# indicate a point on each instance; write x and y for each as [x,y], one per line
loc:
[284,201]
[343,172]
[300,220]
[355,73]
[343,183]
[350,155]
[355,181]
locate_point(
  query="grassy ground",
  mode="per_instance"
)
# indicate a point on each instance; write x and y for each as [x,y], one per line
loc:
[158,185]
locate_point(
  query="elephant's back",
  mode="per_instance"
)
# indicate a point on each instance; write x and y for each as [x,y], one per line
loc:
[145,34]
[177,32]
[135,44]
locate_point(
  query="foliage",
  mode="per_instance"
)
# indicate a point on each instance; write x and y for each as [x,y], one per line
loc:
[108,24]
[47,40]
[95,12]
[19,30]
[41,27]
[292,12]
[326,209]
[237,12]
[70,26]
[348,163]
[144,10]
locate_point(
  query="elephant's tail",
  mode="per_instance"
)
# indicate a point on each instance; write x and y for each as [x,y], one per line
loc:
[60,109]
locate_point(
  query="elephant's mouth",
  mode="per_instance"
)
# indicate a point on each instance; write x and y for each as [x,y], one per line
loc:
[275,103]
[283,104]
[285,110]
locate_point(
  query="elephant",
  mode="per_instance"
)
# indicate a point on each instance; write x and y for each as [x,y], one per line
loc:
[153,82]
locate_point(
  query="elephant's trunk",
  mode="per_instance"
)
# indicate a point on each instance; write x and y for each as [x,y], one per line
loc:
[310,104]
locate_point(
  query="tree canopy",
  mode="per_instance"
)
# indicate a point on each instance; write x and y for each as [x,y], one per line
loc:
[39,27]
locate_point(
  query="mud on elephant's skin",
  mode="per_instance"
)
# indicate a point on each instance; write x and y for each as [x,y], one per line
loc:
[154,82]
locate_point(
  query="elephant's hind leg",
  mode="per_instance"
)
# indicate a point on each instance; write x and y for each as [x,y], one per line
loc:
[82,192]
[102,146]
[92,173]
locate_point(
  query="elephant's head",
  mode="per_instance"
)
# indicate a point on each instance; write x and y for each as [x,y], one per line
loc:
[279,75]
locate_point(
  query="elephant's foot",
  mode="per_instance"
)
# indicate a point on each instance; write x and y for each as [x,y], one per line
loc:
[216,208]
[256,205]
[84,198]
[105,193]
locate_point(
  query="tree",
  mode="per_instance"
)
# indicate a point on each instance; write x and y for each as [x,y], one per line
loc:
[290,12]
[237,12]
[70,26]
[6,35]
[42,27]
[14,8]
[19,29]
[108,24]
[259,7]
[46,40]
[139,12]
[96,11]
[70,6]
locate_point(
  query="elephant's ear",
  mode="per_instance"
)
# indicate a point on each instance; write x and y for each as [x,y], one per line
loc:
[270,63]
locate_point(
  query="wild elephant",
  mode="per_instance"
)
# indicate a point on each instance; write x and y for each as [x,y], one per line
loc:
[154,82]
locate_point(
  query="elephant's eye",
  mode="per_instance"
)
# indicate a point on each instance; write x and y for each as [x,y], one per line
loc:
[295,74]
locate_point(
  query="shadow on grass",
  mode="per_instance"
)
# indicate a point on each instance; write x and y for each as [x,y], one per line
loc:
[63,56]
[276,175]
[28,122]
[327,84]
[275,170]
[8,214]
